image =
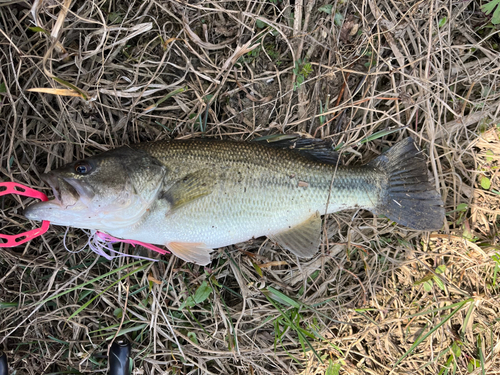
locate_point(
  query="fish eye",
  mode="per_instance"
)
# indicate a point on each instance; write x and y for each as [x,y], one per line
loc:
[83,167]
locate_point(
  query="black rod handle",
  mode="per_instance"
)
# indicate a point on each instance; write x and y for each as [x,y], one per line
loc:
[4,369]
[119,357]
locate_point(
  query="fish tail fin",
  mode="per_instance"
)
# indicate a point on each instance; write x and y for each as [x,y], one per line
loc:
[408,198]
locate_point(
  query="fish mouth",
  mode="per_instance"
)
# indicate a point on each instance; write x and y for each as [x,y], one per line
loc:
[59,186]
[67,191]
[70,195]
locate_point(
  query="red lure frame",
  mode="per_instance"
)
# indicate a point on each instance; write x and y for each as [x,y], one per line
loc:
[18,189]
[18,239]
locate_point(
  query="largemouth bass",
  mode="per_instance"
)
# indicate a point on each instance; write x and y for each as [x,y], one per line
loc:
[194,196]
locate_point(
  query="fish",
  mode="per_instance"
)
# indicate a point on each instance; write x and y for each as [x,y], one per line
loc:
[197,195]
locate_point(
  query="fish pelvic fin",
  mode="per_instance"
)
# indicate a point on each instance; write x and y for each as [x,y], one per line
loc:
[409,198]
[197,253]
[303,240]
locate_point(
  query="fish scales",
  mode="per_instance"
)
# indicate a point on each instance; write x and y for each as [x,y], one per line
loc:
[260,190]
[197,195]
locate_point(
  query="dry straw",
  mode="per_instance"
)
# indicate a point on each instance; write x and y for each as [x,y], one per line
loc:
[81,77]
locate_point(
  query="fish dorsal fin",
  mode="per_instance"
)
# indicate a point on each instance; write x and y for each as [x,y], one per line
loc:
[189,188]
[197,253]
[303,240]
[312,148]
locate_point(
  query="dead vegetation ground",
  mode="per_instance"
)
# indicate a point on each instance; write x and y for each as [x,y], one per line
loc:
[378,298]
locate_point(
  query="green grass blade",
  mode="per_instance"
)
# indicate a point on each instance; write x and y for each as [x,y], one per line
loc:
[124,331]
[275,138]
[73,87]
[169,95]
[481,355]
[8,305]
[280,297]
[58,340]
[442,308]
[380,134]
[467,317]
[90,282]
[423,337]
[100,332]
[292,325]
[85,305]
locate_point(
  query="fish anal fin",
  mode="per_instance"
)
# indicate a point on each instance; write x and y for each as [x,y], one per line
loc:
[304,239]
[189,188]
[195,252]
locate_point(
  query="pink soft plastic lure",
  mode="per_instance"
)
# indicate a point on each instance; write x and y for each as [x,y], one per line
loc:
[98,242]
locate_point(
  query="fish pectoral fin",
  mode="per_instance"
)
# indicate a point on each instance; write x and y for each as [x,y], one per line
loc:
[189,188]
[303,240]
[197,252]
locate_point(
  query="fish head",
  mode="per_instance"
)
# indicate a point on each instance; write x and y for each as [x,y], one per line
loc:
[108,191]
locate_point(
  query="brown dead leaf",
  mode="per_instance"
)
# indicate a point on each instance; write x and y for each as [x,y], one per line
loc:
[152,279]
[168,41]
[273,264]
[349,29]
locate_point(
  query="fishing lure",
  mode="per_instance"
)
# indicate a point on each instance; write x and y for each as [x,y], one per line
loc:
[18,189]
[97,242]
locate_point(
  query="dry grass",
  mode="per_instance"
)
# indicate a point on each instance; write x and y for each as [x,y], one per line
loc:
[146,70]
